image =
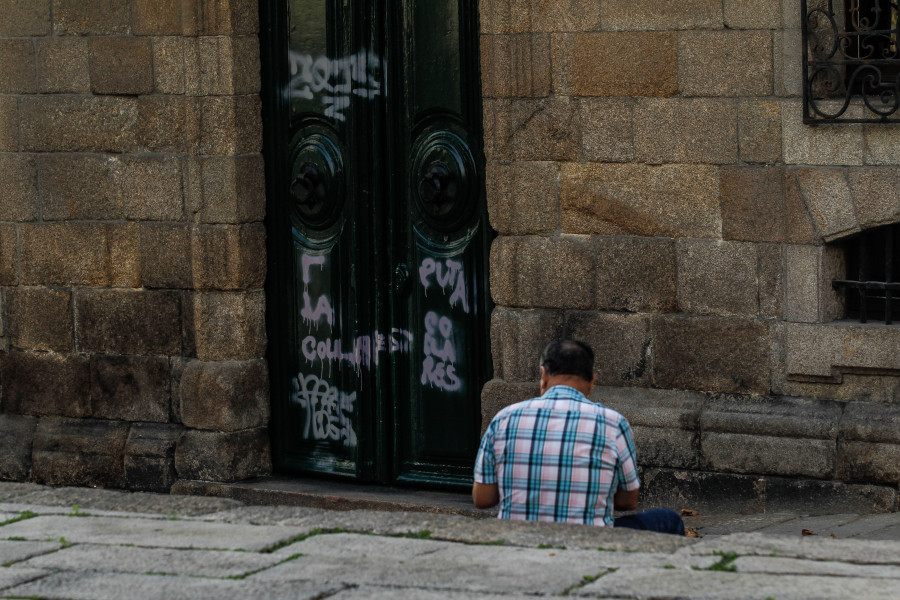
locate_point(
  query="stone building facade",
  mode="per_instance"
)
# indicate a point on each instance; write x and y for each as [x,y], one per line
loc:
[653,188]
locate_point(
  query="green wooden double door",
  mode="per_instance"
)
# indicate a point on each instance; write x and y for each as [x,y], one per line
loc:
[378,301]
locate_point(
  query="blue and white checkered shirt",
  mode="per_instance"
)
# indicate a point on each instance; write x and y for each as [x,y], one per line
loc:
[559,457]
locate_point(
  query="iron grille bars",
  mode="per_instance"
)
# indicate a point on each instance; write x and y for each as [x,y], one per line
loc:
[871,258]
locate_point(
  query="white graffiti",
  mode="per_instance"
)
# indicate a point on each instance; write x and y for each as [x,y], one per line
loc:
[323,305]
[328,410]
[438,368]
[335,79]
[364,352]
[446,274]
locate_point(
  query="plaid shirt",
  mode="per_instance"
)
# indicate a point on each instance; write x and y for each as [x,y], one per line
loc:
[559,457]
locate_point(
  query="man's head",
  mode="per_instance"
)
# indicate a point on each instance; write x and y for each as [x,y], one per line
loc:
[567,362]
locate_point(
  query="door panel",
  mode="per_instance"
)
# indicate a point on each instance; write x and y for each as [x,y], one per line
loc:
[378,238]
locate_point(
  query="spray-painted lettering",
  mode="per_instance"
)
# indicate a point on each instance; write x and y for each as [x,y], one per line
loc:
[328,410]
[335,80]
[438,369]
[448,273]
[364,351]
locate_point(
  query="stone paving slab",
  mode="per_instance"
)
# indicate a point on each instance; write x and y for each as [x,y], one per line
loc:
[711,585]
[725,524]
[6,516]
[78,511]
[10,490]
[119,500]
[13,576]
[883,526]
[149,533]
[797,566]
[809,547]
[820,524]
[11,552]
[266,515]
[103,586]
[370,592]
[159,561]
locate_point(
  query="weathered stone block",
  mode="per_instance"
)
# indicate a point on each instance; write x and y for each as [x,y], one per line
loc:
[663,409]
[518,338]
[707,492]
[827,195]
[161,123]
[9,124]
[79,186]
[150,457]
[788,53]
[128,322]
[217,66]
[827,350]
[230,325]
[225,396]
[151,188]
[881,147]
[773,416]
[121,65]
[662,128]
[615,64]
[225,189]
[169,65]
[799,223]
[9,255]
[771,280]
[98,17]
[523,197]
[635,274]
[615,199]
[824,144]
[18,75]
[229,257]
[759,131]
[63,65]
[40,319]
[78,123]
[871,422]
[130,388]
[871,462]
[23,18]
[80,254]
[45,384]
[514,16]
[753,14]
[214,456]
[533,271]
[230,125]
[166,255]
[875,192]
[662,447]
[793,457]
[158,17]
[829,497]
[497,395]
[621,345]
[515,65]
[741,61]
[753,204]
[83,452]
[607,131]
[16,439]
[714,354]
[662,14]
[717,278]
[532,129]
[802,284]
[18,187]
[217,17]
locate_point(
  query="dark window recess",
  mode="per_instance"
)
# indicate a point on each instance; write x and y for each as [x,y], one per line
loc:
[852,61]
[873,258]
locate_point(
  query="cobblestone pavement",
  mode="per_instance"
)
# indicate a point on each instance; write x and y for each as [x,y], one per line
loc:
[76,543]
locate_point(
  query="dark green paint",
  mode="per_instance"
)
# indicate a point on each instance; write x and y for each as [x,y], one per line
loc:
[375,178]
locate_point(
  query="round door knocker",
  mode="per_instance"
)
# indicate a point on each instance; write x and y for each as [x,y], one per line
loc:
[444,180]
[316,184]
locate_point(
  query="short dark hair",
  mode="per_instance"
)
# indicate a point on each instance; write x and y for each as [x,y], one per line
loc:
[569,357]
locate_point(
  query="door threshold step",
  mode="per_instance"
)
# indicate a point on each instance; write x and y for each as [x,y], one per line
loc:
[334,495]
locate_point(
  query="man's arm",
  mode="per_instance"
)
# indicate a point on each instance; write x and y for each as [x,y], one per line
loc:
[625,499]
[485,495]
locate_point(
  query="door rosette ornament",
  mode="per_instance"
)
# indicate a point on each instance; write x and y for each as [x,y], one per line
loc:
[316,183]
[444,180]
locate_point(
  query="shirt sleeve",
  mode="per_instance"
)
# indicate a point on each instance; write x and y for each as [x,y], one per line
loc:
[626,468]
[485,462]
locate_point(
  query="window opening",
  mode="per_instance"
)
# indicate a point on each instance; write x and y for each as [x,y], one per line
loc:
[870,289]
[851,59]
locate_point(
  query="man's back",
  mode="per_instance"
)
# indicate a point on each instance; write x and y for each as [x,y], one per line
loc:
[559,457]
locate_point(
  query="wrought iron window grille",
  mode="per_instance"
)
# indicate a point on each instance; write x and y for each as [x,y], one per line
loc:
[851,61]
[871,291]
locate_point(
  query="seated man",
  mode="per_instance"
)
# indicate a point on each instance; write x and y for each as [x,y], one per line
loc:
[561,457]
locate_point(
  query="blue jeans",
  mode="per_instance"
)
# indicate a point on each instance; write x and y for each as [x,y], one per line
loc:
[661,520]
